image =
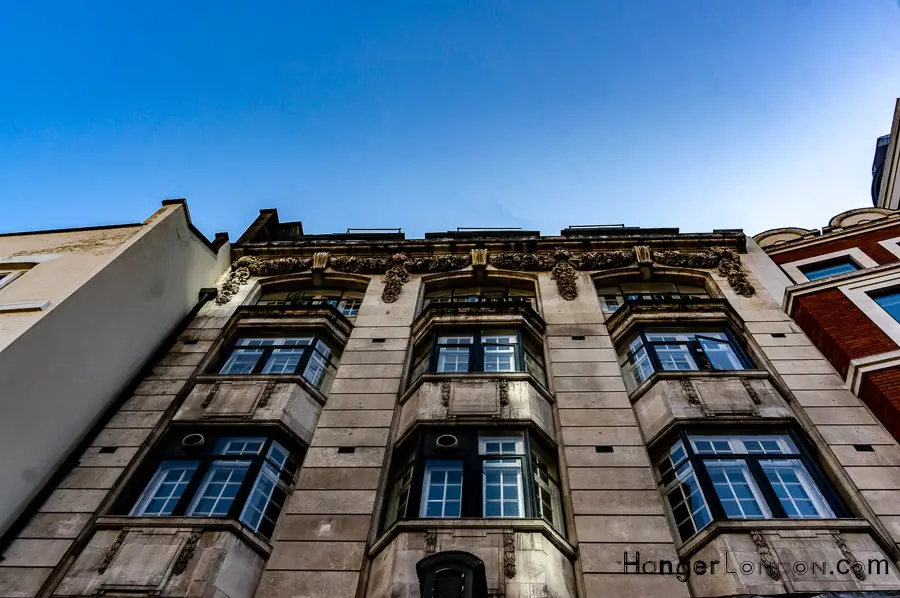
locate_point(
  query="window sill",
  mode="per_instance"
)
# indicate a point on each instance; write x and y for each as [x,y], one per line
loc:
[647,384]
[516,525]
[257,544]
[442,377]
[277,378]
[707,534]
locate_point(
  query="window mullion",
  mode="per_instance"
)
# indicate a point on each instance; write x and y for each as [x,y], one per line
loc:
[529,490]
[651,354]
[706,486]
[306,356]
[262,361]
[476,355]
[520,352]
[187,497]
[762,482]
[243,493]
[472,504]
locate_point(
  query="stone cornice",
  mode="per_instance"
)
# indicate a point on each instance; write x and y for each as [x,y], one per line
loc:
[734,240]
[826,235]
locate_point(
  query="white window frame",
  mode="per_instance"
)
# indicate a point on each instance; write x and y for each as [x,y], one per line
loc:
[859,293]
[792,269]
[736,443]
[519,439]
[431,466]
[892,245]
[9,276]
[150,490]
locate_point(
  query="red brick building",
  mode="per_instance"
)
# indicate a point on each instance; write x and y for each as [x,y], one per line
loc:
[842,287]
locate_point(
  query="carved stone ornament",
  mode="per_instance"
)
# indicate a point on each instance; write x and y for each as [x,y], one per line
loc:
[111,552]
[642,255]
[208,399]
[509,553]
[187,552]
[267,393]
[727,261]
[562,265]
[479,258]
[320,261]
[445,393]
[765,555]
[690,392]
[248,266]
[566,280]
[754,396]
[430,541]
[503,391]
[396,269]
[855,565]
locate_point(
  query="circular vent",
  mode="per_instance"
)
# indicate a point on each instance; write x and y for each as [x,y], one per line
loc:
[446,442]
[193,442]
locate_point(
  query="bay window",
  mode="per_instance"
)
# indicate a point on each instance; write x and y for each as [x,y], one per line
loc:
[485,294]
[463,473]
[657,349]
[490,350]
[346,302]
[308,355]
[613,297]
[757,476]
[235,474]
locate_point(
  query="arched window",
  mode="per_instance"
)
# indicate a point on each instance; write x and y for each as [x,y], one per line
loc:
[467,290]
[614,294]
[452,574]
[346,298]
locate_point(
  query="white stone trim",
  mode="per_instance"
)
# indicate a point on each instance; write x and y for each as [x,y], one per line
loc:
[9,275]
[862,366]
[892,245]
[11,308]
[858,293]
[792,269]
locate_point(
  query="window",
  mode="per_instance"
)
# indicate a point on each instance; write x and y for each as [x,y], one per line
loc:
[244,476]
[889,301]
[476,474]
[653,350]
[346,302]
[473,294]
[613,297]
[758,476]
[490,350]
[819,270]
[309,355]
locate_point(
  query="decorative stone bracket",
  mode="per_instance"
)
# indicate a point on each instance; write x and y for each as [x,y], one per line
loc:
[561,263]
[765,555]
[187,552]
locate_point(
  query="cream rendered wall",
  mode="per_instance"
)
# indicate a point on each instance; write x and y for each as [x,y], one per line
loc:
[114,294]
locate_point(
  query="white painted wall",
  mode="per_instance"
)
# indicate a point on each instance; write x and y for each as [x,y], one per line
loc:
[115,294]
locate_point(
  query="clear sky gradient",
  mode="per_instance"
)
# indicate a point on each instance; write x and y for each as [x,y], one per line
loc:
[428,115]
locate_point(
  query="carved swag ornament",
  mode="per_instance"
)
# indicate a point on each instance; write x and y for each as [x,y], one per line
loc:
[561,263]
[396,269]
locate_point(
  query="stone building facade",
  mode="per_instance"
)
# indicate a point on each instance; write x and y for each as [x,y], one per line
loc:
[81,312]
[606,412]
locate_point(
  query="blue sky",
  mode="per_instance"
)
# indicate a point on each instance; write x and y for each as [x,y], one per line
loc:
[430,115]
